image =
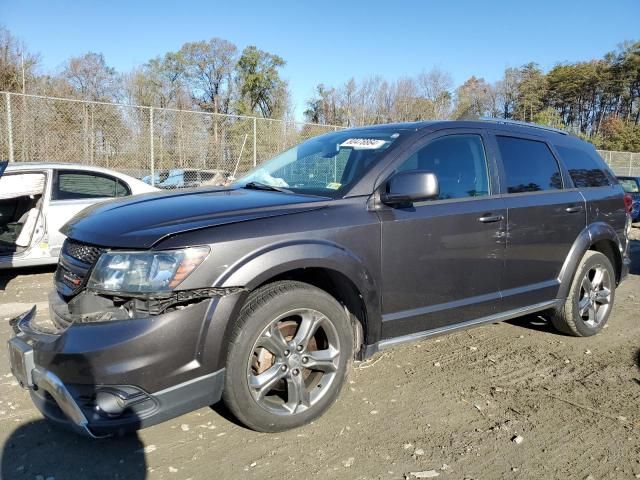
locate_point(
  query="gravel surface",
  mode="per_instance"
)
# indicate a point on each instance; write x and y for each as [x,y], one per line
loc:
[510,400]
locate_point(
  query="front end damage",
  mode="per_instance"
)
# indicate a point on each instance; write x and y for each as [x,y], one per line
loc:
[106,364]
[89,306]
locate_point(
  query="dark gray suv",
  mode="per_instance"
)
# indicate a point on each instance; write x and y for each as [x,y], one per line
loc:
[262,293]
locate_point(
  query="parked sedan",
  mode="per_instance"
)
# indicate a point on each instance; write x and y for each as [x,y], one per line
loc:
[631,185]
[36,199]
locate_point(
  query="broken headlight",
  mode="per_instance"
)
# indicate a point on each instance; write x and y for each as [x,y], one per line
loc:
[145,272]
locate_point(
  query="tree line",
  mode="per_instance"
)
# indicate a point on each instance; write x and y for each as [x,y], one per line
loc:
[209,75]
[598,99]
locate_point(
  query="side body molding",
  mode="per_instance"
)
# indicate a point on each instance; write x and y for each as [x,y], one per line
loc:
[261,265]
[587,237]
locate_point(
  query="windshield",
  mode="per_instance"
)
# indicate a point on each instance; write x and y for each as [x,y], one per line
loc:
[327,165]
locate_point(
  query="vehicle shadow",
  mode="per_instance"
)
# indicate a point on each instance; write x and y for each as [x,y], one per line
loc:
[221,409]
[40,449]
[537,321]
[6,276]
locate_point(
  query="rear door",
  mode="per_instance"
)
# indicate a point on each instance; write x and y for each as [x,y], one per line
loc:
[73,191]
[3,166]
[442,259]
[545,214]
[597,184]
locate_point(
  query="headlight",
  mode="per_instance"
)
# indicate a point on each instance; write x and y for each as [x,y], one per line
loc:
[145,272]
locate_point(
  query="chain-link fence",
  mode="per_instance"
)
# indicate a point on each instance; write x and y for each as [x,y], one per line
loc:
[166,147]
[622,163]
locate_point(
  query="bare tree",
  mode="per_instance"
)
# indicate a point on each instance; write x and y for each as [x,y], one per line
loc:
[209,68]
[507,90]
[161,82]
[17,65]
[435,86]
[92,78]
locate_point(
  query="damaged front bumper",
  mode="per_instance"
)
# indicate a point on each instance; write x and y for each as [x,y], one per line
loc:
[35,378]
[104,378]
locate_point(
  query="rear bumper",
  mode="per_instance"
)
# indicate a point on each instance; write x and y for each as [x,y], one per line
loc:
[626,267]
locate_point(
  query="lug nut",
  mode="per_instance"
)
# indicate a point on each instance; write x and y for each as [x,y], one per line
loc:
[305,359]
[296,371]
[299,348]
[283,368]
[286,353]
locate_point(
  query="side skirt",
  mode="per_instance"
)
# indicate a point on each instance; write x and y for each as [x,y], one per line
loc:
[498,317]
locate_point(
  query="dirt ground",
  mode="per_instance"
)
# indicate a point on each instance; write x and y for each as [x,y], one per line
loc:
[453,406]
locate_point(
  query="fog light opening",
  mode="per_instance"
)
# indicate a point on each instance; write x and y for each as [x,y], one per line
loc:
[110,404]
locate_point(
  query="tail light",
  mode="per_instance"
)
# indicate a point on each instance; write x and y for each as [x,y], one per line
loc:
[628,202]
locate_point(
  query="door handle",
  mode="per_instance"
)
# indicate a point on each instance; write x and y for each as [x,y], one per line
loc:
[490,218]
[573,209]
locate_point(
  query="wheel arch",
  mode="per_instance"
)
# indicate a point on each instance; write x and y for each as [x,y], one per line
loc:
[325,265]
[599,237]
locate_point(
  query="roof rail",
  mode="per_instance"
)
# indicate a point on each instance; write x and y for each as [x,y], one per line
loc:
[507,121]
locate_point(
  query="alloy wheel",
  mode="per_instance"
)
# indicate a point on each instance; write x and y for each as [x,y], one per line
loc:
[293,362]
[595,295]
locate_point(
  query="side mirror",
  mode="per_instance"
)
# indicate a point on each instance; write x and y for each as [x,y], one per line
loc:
[409,187]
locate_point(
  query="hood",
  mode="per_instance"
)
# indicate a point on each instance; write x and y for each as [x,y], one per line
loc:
[142,221]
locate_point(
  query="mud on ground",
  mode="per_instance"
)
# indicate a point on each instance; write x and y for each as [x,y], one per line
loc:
[452,406]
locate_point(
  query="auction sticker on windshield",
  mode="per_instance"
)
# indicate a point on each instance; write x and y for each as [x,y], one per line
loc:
[363,143]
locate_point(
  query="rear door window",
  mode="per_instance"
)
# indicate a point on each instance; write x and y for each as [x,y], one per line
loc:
[72,185]
[529,165]
[584,169]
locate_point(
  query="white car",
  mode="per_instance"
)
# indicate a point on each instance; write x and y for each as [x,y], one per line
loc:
[36,199]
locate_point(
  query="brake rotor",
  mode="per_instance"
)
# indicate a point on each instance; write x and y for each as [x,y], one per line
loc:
[263,359]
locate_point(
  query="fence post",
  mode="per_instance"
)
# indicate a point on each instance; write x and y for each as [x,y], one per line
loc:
[151,156]
[9,126]
[255,141]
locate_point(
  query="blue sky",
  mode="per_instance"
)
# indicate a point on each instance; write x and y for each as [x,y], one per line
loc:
[331,41]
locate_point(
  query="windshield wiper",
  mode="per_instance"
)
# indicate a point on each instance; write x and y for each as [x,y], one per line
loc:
[263,186]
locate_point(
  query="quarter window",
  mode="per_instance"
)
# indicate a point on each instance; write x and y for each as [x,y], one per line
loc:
[459,163]
[583,168]
[529,165]
[629,185]
[80,185]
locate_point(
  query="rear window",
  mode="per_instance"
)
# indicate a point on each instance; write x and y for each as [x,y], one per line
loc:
[529,165]
[585,170]
[80,185]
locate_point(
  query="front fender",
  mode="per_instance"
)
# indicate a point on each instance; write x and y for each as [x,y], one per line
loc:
[587,237]
[259,266]
[266,263]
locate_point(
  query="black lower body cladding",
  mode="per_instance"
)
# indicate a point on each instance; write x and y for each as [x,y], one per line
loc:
[110,377]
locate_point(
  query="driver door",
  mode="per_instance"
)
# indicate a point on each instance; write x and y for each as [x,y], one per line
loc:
[443,259]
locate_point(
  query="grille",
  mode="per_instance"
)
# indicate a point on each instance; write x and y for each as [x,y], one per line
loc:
[81,251]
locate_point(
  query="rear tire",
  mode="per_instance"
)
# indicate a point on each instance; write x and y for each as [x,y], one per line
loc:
[588,305]
[289,354]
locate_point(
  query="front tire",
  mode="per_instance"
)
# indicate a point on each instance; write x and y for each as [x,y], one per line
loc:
[289,354]
[588,305]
